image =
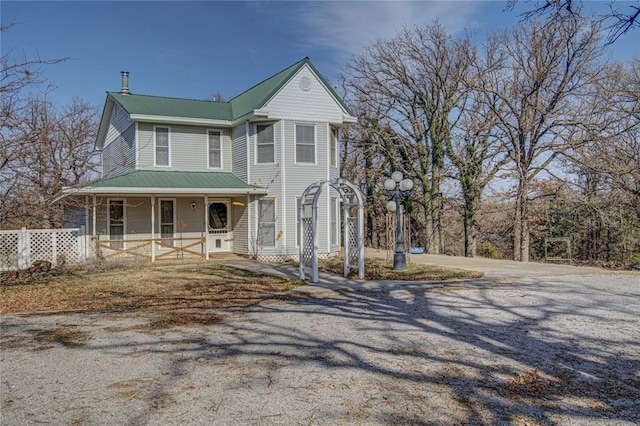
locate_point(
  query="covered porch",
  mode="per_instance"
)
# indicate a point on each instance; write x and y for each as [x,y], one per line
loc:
[166,215]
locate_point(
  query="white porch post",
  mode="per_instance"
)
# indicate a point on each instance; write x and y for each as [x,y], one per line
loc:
[206,227]
[85,234]
[153,228]
[93,218]
[94,246]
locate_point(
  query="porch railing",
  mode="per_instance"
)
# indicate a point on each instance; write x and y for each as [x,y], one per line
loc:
[151,248]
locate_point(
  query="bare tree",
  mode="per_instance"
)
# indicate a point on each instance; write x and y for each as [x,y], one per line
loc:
[18,75]
[537,95]
[53,149]
[619,20]
[413,86]
[477,155]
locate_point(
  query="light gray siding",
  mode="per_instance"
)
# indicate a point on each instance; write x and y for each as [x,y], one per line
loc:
[240,221]
[188,148]
[239,152]
[119,153]
[268,176]
[314,104]
[299,177]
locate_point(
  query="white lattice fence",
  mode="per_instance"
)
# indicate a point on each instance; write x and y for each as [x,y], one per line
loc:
[21,248]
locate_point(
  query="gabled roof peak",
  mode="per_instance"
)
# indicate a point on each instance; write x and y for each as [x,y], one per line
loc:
[239,106]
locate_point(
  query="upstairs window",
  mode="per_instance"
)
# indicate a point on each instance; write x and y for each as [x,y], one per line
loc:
[333,151]
[215,148]
[305,143]
[161,142]
[265,147]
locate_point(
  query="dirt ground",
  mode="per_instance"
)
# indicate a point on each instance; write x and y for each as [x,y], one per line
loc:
[542,350]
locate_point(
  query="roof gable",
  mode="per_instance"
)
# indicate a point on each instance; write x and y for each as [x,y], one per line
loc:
[192,109]
[259,95]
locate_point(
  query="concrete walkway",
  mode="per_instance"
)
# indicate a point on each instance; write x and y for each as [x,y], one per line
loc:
[493,270]
[497,269]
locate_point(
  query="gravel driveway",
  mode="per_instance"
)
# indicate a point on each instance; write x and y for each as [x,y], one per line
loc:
[541,350]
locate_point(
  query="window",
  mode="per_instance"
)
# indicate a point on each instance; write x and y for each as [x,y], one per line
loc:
[335,214]
[264,143]
[305,143]
[161,138]
[334,148]
[267,223]
[217,216]
[116,222]
[215,148]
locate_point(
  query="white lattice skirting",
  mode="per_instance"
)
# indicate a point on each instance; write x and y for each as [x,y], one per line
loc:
[279,258]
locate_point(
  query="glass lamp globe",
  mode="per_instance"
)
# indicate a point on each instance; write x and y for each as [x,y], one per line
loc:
[406,185]
[397,176]
[391,206]
[389,184]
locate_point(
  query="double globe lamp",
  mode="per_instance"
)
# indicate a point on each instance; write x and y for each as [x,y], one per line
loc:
[398,187]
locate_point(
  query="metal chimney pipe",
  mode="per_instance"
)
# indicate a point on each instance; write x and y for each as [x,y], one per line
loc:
[125,83]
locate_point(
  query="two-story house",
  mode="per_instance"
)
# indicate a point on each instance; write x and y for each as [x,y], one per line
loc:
[206,176]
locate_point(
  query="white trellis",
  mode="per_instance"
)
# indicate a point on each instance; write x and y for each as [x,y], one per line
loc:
[20,248]
[352,227]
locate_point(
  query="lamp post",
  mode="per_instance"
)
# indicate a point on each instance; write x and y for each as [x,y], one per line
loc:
[398,187]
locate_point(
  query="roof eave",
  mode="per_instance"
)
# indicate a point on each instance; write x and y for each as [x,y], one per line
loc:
[90,190]
[181,120]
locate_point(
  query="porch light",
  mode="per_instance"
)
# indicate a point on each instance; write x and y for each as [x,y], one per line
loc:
[193,205]
[398,188]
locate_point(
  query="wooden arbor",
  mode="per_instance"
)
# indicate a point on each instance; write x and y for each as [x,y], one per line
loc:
[352,227]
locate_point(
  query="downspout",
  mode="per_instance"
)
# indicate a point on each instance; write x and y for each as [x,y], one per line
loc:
[284,188]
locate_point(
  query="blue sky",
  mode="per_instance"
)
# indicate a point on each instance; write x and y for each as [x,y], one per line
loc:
[193,49]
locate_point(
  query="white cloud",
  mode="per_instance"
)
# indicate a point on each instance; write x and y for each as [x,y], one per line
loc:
[349,26]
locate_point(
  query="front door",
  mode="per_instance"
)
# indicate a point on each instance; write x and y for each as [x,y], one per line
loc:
[167,221]
[219,235]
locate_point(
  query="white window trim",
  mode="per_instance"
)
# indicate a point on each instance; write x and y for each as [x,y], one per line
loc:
[221,149]
[155,154]
[315,143]
[333,159]
[275,224]
[159,213]
[225,201]
[255,144]
[124,216]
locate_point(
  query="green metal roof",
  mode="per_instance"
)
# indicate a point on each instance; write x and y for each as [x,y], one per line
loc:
[171,179]
[173,107]
[243,104]
[141,182]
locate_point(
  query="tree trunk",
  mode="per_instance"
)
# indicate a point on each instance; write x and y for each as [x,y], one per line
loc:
[521,236]
[469,223]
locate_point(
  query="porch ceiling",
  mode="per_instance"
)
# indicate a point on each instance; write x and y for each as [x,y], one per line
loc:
[167,182]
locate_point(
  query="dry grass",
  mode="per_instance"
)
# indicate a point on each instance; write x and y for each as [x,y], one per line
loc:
[174,290]
[381,269]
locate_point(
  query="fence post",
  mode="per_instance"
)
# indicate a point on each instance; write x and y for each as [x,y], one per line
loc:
[54,247]
[82,247]
[23,249]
